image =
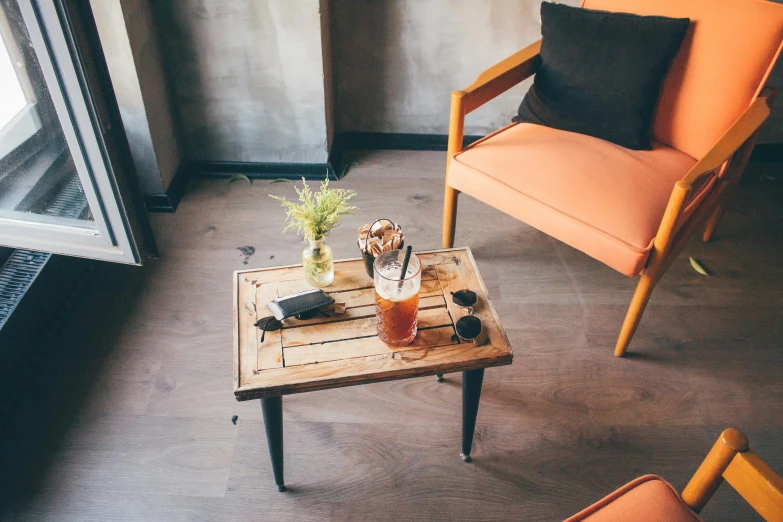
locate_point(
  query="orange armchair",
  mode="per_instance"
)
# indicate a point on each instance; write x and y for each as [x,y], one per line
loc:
[651,499]
[632,210]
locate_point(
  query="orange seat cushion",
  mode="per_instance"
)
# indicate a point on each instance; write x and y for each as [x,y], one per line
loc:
[723,63]
[646,499]
[598,197]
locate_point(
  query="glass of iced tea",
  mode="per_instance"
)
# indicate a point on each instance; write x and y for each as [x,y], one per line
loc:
[396,297]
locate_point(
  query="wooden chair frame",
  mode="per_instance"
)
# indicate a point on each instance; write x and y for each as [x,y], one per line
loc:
[730,153]
[732,461]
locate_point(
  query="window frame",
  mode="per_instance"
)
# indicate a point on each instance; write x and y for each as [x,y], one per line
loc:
[69,74]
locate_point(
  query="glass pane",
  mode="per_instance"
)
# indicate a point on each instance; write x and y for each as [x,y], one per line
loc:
[38,179]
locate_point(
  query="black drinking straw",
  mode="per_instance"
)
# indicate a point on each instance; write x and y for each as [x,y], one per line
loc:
[405,262]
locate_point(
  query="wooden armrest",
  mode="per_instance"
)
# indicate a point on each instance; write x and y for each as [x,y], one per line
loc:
[730,459]
[501,77]
[494,81]
[740,132]
[710,473]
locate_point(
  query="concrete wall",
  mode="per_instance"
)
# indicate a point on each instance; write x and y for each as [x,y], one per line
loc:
[326,56]
[271,80]
[247,77]
[133,57]
[149,65]
[397,61]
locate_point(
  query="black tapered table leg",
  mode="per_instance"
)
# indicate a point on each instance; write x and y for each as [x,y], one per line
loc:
[273,423]
[471,394]
[439,377]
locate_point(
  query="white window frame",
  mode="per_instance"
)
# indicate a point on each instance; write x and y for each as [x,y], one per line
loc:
[111,238]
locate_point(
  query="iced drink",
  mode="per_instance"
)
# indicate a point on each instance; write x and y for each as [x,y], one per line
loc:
[396,301]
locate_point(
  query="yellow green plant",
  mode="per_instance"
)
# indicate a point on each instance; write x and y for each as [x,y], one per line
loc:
[317,213]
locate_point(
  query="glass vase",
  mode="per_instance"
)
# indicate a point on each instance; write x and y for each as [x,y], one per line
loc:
[318,263]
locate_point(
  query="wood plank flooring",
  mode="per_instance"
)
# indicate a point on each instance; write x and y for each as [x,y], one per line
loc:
[130,415]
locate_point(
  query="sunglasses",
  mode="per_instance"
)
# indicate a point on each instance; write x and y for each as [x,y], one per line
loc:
[468,327]
[271,324]
[268,324]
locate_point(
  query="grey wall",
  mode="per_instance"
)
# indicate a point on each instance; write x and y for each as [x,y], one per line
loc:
[149,65]
[272,80]
[397,61]
[326,56]
[133,57]
[247,77]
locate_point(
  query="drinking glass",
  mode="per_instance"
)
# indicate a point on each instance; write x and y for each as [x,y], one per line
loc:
[396,297]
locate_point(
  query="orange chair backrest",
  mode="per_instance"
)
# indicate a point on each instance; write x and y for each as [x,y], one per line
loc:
[722,65]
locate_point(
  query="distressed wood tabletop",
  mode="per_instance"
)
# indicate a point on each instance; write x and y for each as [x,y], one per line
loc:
[344,350]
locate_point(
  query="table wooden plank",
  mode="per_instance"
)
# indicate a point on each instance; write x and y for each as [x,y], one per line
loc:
[430,301]
[366,296]
[270,352]
[450,281]
[374,368]
[292,272]
[319,353]
[343,330]
[484,310]
[348,278]
[295,272]
[245,312]
[235,318]
[439,257]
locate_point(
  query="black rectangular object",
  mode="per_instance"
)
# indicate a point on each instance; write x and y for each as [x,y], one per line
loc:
[296,304]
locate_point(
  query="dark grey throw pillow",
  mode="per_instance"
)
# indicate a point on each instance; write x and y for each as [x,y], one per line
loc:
[601,72]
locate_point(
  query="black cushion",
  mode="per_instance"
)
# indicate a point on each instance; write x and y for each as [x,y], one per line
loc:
[601,72]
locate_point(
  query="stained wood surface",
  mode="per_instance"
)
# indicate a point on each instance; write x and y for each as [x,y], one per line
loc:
[335,350]
[133,418]
[758,484]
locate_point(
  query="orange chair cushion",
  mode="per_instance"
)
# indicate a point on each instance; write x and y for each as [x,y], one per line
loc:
[722,65]
[646,499]
[598,197]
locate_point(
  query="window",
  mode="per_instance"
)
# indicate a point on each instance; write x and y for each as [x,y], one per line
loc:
[62,186]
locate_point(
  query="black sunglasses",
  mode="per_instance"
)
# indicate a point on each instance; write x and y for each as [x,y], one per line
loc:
[271,324]
[268,324]
[469,327]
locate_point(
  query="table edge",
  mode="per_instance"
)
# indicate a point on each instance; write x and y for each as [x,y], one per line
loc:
[292,389]
[237,273]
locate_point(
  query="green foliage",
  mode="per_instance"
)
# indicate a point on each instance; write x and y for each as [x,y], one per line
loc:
[319,212]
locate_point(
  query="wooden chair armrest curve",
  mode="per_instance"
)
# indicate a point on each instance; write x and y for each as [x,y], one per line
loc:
[739,132]
[757,483]
[501,77]
[709,475]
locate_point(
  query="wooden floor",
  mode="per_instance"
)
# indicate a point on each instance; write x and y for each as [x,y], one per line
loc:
[130,415]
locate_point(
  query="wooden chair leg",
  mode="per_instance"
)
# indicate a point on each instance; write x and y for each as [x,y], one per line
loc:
[714,220]
[710,473]
[734,170]
[720,210]
[644,289]
[449,216]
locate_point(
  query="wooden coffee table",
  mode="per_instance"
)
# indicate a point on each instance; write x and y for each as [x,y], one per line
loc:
[344,350]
